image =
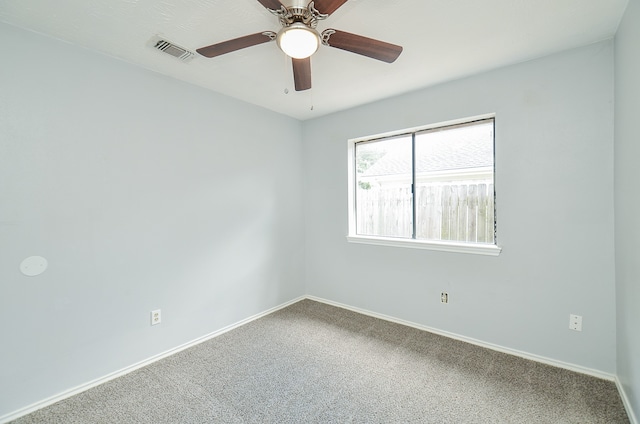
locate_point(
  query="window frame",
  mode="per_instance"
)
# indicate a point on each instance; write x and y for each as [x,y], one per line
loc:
[439,245]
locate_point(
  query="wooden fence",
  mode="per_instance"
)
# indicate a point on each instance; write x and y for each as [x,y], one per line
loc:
[453,212]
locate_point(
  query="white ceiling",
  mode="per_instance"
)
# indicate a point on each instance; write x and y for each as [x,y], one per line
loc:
[442,40]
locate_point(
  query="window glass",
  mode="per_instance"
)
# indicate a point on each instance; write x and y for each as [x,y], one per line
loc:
[383,187]
[430,185]
[454,183]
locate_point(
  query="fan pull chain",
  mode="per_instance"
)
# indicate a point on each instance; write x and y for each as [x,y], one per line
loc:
[285,78]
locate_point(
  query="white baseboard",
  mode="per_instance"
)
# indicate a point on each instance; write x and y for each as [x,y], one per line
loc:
[626,402]
[81,388]
[525,355]
[553,362]
[86,386]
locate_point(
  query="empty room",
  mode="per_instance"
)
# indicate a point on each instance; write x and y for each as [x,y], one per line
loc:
[270,211]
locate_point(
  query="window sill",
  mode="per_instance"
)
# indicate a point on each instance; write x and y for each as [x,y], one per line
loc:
[477,249]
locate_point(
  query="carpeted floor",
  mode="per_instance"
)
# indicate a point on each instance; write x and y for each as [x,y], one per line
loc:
[314,363]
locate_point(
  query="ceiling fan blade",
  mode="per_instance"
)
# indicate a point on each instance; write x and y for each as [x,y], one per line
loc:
[369,47]
[236,44]
[302,73]
[271,4]
[327,7]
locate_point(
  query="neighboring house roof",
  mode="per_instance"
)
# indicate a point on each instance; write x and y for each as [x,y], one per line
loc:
[460,148]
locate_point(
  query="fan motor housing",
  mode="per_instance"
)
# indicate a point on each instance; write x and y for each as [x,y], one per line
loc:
[306,15]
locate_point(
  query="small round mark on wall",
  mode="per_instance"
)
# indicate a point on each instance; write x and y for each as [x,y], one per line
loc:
[33,265]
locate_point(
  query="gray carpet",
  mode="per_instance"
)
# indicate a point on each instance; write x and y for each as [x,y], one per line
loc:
[314,363]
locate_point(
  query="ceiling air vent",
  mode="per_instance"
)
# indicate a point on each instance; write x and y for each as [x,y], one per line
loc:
[175,51]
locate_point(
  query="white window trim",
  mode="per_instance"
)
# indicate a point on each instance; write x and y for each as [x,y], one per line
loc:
[445,246]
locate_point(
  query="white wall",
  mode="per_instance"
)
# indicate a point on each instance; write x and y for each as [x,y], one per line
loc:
[142,192]
[554,182]
[627,205]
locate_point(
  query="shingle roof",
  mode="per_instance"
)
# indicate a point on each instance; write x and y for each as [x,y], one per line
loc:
[459,148]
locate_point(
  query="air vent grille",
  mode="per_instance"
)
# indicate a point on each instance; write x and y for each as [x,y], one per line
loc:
[173,50]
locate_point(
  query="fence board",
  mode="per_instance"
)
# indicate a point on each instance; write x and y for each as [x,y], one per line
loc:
[456,212]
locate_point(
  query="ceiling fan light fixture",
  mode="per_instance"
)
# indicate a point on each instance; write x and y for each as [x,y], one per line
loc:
[298,40]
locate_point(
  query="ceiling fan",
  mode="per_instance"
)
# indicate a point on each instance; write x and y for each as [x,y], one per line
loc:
[299,38]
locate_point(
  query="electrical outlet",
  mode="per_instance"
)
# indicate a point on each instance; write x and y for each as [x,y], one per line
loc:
[156,317]
[575,322]
[444,297]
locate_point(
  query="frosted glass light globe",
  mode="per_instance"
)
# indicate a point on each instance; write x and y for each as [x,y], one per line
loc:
[298,41]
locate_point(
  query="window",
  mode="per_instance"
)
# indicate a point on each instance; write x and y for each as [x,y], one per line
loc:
[431,187]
